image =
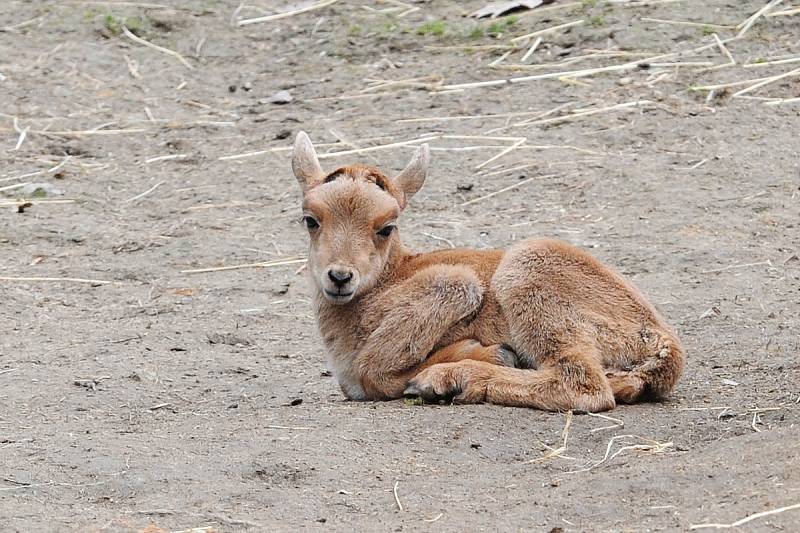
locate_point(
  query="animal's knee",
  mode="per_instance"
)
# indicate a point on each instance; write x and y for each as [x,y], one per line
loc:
[594,403]
[584,382]
[559,398]
[626,386]
[375,385]
[455,286]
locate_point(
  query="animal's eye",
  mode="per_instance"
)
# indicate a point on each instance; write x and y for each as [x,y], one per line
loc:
[386,230]
[310,222]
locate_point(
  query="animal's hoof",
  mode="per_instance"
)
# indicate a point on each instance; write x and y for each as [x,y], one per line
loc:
[434,384]
[508,356]
[429,394]
[412,391]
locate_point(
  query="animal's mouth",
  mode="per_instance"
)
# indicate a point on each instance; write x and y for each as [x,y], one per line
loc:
[339,297]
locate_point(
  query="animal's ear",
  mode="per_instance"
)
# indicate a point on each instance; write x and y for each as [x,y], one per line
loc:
[305,164]
[410,180]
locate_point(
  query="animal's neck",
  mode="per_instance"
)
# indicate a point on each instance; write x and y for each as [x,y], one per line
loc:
[342,328]
[398,254]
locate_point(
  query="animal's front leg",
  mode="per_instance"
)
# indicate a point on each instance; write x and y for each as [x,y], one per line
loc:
[395,384]
[464,381]
[414,315]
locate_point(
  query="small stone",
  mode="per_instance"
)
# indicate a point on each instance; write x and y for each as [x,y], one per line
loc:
[279,98]
[231,339]
[40,190]
[281,290]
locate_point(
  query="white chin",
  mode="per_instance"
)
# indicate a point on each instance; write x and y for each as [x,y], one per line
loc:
[338,298]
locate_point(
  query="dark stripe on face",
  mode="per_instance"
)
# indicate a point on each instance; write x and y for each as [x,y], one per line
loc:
[333,175]
[378,180]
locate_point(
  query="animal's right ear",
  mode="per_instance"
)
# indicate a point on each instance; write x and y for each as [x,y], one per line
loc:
[305,164]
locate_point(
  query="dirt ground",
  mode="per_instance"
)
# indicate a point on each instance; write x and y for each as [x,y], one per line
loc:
[171,400]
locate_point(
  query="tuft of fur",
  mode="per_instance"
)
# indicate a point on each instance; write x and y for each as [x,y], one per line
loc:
[542,324]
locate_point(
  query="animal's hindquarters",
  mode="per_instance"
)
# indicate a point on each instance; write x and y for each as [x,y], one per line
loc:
[558,300]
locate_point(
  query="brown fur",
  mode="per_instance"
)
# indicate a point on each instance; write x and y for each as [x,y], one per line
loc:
[458,323]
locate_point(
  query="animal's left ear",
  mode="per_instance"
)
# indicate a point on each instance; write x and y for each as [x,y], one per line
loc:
[305,164]
[410,180]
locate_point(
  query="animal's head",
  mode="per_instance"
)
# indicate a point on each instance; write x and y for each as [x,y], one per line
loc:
[351,216]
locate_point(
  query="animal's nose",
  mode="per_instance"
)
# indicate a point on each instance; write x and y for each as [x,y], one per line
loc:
[340,277]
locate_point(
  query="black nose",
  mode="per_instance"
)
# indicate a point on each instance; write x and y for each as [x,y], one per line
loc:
[340,277]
